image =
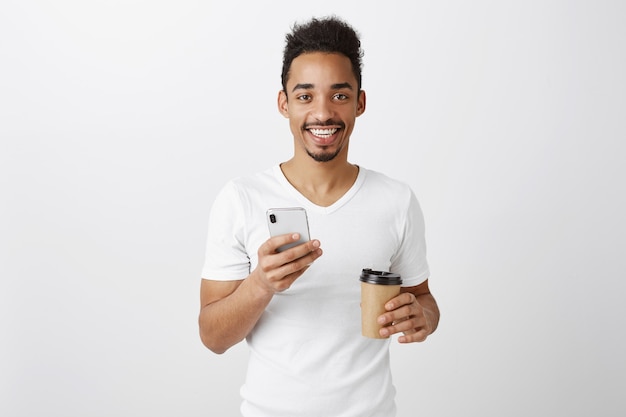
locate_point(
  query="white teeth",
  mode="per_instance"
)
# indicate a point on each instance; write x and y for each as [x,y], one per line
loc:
[323,132]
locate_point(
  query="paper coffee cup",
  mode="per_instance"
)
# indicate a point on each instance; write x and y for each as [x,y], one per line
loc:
[377,287]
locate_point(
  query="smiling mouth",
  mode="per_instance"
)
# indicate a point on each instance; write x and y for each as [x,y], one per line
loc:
[323,133]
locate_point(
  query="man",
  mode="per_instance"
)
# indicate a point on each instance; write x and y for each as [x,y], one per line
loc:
[299,309]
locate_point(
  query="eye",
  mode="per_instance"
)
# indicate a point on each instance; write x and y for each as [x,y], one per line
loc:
[303,97]
[340,97]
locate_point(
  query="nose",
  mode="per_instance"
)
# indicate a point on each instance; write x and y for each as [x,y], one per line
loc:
[322,110]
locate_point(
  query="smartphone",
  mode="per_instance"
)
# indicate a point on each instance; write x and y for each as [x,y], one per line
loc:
[288,220]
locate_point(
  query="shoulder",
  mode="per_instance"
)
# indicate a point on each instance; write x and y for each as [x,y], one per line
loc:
[243,185]
[379,182]
[253,180]
[244,195]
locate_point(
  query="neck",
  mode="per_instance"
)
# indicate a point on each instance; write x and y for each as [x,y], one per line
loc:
[323,183]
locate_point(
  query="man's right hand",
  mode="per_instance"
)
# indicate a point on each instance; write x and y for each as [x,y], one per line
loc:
[276,271]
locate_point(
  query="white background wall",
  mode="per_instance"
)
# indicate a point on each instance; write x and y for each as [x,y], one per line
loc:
[119,121]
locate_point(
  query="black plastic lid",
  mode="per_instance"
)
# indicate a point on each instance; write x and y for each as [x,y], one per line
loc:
[380,277]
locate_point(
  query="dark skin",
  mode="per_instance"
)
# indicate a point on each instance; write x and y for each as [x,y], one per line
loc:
[322,102]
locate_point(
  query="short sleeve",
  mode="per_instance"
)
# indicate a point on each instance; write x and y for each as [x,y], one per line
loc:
[411,260]
[226,258]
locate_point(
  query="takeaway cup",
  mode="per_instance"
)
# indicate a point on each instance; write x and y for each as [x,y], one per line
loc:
[377,287]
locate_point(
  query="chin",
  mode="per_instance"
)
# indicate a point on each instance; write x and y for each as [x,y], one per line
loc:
[323,156]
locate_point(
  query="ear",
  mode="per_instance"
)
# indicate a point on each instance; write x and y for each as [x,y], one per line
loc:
[283,106]
[360,105]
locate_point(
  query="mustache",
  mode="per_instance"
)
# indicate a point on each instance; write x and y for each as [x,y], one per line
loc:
[324,124]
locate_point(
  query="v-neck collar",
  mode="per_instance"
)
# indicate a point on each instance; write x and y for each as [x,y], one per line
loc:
[308,204]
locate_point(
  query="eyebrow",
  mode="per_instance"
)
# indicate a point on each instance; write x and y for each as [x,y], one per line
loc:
[308,86]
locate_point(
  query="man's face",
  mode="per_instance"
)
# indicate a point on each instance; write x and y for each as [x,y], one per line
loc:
[322,103]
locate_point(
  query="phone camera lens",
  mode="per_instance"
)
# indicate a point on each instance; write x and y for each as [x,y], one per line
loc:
[273,218]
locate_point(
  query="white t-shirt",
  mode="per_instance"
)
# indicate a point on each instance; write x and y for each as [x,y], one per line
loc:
[307,355]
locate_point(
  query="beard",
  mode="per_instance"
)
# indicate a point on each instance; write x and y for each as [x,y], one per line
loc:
[323,156]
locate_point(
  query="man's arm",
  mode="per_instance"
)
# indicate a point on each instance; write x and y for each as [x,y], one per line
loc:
[230,309]
[414,312]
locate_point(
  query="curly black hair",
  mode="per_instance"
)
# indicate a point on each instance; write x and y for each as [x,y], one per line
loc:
[328,34]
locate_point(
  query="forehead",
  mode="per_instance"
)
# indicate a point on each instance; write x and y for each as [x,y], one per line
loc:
[321,69]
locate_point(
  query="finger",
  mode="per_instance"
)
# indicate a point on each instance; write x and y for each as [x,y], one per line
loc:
[404,324]
[400,300]
[280,271]
[298,251]
[270,260]
[296,261]
[285,275]
[285,282]
[396,316]
[414,336]
[272,244]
